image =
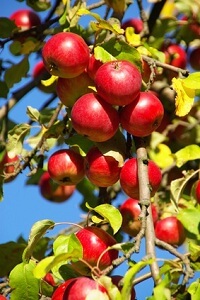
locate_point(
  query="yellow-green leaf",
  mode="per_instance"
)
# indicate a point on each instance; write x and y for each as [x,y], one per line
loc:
[162,155]
[49,81]
[187,153]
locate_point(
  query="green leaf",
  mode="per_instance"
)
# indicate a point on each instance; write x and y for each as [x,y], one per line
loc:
[192,81]
[3,89]
[37,231]
[7,26]
[194,290]
[33,113]
[186,154]
[130,275]
[15,48]
[15,73]
[16,137]
[11,255]
[190,218]
[23,283]
[39,5]
[194,250]
[102,54]
[82,142]
[110,213]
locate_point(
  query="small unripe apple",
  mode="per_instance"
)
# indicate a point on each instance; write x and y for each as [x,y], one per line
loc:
[66,55]
[118,82]
[101,170]
[194,59]
[25,19]
[136,23]
[94,118]
[116,281]
[143,116]
[95,241]
[70,89]
[129,178]
[54,192]
[66,167]
[170,230]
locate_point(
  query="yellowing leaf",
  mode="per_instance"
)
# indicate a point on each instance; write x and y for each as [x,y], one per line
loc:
[131,37]
[162,155]
[168,9]
[49,81]
[186,154]
[184,97]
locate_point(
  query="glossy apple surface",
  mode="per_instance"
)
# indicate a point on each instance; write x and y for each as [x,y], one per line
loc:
[136,23]
[65,55]
[94,118]
[176,56]
[95,241]
[54,192]
[118,82]
[25,19]
[101,170]
[129,177]
[66,167]
[59,292]
[70,89]
[143,116]
[170,230]
[116,281]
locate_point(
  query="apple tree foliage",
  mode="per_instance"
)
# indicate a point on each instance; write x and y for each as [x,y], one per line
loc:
[175,147]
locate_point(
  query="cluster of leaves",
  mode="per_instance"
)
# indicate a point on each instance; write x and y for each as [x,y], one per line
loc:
[177,157]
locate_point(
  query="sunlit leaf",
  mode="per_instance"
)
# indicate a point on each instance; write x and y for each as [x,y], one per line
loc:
[131,37]
[112,290]
[33,113]
[162,155]
[194,290]
[186,154]
[190,218]
[23,283]
[16,138]
[37,231]
[49,81]
[118,6]
[184,97]
[110,213]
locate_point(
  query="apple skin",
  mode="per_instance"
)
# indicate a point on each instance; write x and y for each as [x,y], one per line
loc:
[129,177]
[54,192]
[59,292]
[25,19]
[101,170]
[66,167]
[67,90]
[136,23]
[116,281]
[9,169]
[170,230]
[194,59]
[49,279]
[2,297]
[143,116]
[66,55]
[118,82]
[197,190]
[93,66]
[175,56]
[94,118]
[95,241]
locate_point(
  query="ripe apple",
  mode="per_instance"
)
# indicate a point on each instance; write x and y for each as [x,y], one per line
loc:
[197,190]
[2,297]
[170,230]
[101,170]
[66,167]
[136,23]
[66,55]
[93,66]
[118,82]
[52,191]
[143,116]
[59,292]
[40,70]
[175,55]
[116,281]
[94,241]
[7,166]
[49,279]
[70,89]
[129,177]
[94,118]
[82,288]
[25,19]
[194,59]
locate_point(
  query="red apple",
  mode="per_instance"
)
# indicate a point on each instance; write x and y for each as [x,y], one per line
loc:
[54,192]
[25,19]
[170,230]
[136,23]
[93,66]
[82,288]
[2,297]
[101,170]
[155,214]
[118,82]
[143,116]
[66,167]
[175,56]
[194,59]
[94,118]
[70,89]
[49,279]
[66,55]
[59,292]
[116,281]
[129,178]
[8,165]
[197,190]
[95,241]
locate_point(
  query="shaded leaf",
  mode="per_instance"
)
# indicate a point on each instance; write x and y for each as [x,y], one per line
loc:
[15,73]
[7,26]
[3,89]
[39,5]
